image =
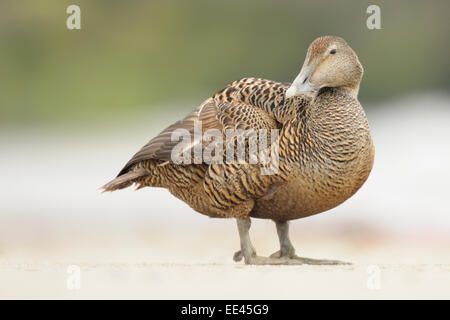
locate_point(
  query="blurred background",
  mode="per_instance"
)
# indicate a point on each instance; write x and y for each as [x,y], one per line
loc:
[75,105]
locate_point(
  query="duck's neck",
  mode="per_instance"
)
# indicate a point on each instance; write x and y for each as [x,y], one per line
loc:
[350,91]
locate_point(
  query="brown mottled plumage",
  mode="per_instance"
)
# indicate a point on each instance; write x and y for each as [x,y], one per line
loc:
[326,152]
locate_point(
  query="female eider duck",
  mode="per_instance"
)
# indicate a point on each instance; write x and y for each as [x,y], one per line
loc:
[323,150]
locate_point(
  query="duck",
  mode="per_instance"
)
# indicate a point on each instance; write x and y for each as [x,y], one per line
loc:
[320,151]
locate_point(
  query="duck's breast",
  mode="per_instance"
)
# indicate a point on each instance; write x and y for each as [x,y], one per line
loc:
[317,186]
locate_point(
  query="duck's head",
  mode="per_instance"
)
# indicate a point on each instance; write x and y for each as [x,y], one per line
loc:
[330,62]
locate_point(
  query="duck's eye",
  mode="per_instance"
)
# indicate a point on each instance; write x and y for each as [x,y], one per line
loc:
[333,51]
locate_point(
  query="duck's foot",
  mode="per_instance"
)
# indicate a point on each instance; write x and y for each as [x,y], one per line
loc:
[258,260]
[294,259]
[277,259]
[287,250]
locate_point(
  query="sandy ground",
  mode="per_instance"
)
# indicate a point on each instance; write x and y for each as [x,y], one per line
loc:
[174,263]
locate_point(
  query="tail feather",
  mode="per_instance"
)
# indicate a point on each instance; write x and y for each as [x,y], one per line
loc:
[123,181]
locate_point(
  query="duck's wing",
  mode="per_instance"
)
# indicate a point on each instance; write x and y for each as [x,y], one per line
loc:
[160,147]
[250,103]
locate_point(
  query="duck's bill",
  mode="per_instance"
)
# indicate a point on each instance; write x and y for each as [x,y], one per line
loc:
[296,90]
[301,84]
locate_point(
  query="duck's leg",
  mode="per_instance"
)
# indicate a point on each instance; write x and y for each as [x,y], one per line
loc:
[247,250]
[287,251]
